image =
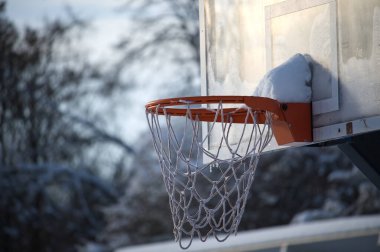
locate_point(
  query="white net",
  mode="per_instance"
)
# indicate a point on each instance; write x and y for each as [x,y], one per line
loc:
[208,189]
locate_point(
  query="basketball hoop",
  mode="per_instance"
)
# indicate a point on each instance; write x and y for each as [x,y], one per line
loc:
[208,188]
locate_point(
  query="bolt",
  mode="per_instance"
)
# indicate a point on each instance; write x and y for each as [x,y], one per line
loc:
[284,106]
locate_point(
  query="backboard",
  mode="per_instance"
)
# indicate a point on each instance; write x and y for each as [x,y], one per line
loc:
[242,40]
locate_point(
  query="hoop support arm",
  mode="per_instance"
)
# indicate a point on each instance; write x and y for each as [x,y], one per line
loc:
[292,121]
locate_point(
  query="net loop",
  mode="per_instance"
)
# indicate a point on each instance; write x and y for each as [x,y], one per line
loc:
[208,187]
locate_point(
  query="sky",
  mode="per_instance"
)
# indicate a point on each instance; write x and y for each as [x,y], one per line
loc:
[107,25]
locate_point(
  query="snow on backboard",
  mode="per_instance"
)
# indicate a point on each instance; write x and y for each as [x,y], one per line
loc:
[242,40]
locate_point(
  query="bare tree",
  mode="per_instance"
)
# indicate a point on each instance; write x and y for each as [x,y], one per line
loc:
[162,44]
[47,130]
[305,184]
[43,79]
[50,207]
[142,214]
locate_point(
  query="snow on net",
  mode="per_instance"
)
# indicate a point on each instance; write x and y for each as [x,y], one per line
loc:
[207,189]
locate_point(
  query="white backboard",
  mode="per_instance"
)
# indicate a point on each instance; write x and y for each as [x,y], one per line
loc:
[243,39]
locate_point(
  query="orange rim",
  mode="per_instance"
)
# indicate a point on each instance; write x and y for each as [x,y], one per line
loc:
[291,121]
[257,104]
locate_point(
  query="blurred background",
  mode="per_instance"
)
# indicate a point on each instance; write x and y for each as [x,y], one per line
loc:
[78,171]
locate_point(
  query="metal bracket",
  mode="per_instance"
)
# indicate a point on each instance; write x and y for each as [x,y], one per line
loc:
[363,150]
